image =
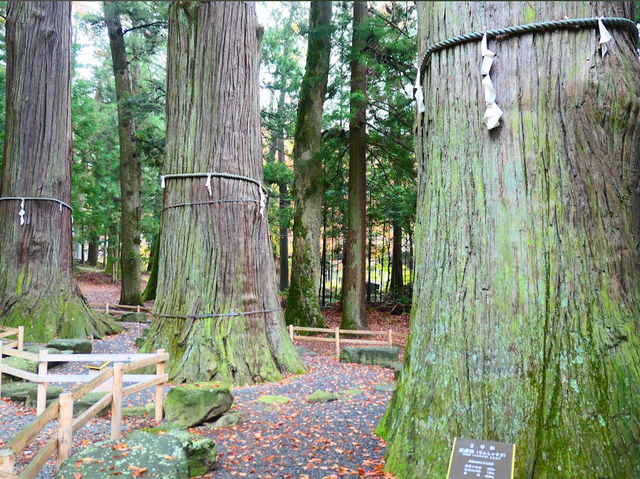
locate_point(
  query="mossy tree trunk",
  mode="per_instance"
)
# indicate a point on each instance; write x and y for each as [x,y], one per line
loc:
[215,258]
[524,323]
[149,292]
[303,308]
[354,307]
[37,287]
[130,169]
[397,280]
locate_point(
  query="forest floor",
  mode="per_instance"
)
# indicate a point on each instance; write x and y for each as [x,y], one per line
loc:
[293,440]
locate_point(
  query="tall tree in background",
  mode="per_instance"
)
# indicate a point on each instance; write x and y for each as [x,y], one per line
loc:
[302,301]
[130,168]
[524,323]
[37,287]
[354,310]
[217,303]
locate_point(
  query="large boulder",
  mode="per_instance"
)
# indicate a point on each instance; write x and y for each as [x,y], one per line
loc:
[193,404]
[78,345]
[380,355]
[201,451]
[140,454]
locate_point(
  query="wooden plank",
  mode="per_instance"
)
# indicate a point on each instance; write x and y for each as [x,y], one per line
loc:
[312,330]
[19,354]
[12,344]
[144,385]
[159,388]
[19,373]
[7,461]
[337,337]
[83,418]
[24,437]
[364,341]
[80,391]
[8,475]
[315,338]
[78,358]
[65,431]
[83,378]
[9,332]
[41,399]
[157,358]
[32,470]
[363,332]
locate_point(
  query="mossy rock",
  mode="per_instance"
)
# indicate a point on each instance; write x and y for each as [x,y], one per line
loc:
[37,347]
[161,456]
[305,352]
[134,318]
[269,399]
[27,393]
[89,399]
[201,451]
[397,367]
[142,338]
[78,345]
[139,411]
[18,363]
[385,387]
[383,356]
[229,419]
[193,404]
[349,393]
[321,396]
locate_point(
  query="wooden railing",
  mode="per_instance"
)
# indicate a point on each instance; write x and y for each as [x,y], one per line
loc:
[338,340]
[62,408]
[6,333]
[119,308]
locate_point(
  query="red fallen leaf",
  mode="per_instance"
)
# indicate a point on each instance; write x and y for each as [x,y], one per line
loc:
[79,463]
[120,446]
[77,475]
[138,471]
[168,458]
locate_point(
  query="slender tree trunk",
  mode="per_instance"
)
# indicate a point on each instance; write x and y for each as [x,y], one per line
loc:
[303,307]
[524,325]
[284,201]
[149,292]
[354,308]
[216,264]
[130,169]
[37,287]
[397,283]
[94,243]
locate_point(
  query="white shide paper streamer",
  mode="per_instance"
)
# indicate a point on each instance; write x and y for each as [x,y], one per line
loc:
[605,37]
[419,96]
[492,113]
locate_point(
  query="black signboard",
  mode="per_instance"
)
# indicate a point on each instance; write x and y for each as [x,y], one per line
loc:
[474,459]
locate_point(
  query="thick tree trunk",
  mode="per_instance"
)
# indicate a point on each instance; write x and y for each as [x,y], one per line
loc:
[284,229]
[215,258]
[397,283]
[354,308]
[303,307]
[37,287]
[130,169]
[524,324]
[93,248]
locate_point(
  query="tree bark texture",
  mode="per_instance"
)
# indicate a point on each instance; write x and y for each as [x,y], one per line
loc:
[284,227]
[216,258]
[354,308]
[397,280]
[303,308]
[37,287]
[130,169]
[524,323]
[149,292]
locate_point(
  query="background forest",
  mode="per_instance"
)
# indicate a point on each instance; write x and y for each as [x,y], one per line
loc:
[390,177]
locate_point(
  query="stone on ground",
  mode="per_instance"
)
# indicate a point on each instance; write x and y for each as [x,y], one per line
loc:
[385,387]
[201,451]
[134,318]
[268,399]
[321,396]
[380,355]
[397,367]
[27,392]
[306,352]
[147,455]
[78,345]
[193,404]
[351,392]
[142,338]
[89,399]
[227,420]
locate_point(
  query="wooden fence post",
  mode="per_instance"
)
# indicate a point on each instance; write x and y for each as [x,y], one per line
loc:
[6,460]
[41,400]
[390,337]
[138,308]
[20,338]
[116,402]
[65,429]
[291,331]
[159,388]
[106,308]
[337,333]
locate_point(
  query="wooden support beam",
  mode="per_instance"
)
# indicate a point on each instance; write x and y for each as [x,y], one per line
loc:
[337,336]
[7,460]
[160,387]
[41,400]
[116,402]
[65,429]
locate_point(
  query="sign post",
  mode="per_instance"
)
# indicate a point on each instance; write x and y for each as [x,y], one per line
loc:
[476,459]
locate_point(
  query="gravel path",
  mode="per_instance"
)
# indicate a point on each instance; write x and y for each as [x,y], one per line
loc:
[294,440]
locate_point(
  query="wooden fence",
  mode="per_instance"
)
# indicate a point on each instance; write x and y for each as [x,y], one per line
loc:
[6,333]
[119,308]
[62,408]
[338,340]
